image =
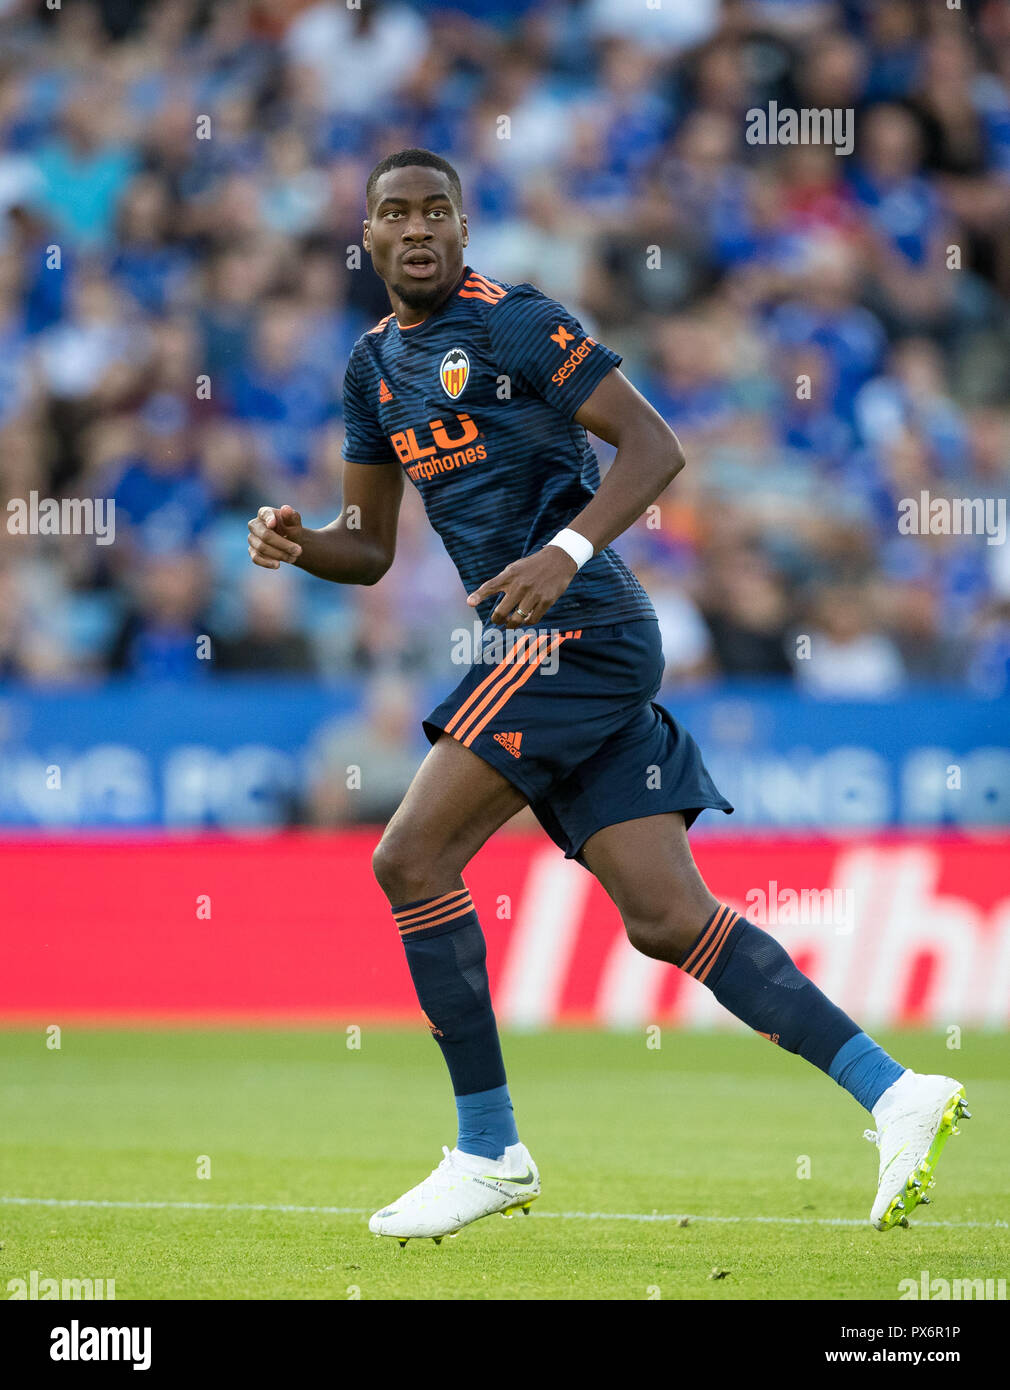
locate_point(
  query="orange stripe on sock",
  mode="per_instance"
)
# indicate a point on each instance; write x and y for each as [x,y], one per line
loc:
[710,945]
[413,913]
[448,916]
[702,945]
[717,945]
[522,678]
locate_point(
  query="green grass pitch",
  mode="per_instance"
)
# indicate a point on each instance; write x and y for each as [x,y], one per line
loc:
[707,1125]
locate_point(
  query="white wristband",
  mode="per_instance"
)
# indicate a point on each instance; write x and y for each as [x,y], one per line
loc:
[574,545]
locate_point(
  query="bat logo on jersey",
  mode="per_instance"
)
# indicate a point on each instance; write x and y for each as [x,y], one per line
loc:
[454,371]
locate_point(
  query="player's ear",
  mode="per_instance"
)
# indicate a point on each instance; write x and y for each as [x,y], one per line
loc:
[466,229]
[366,236]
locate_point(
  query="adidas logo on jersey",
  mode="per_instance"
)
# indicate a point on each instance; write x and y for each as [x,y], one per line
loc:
[510,742]
[384,392]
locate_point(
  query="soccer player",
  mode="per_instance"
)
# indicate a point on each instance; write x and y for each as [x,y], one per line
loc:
[481,393]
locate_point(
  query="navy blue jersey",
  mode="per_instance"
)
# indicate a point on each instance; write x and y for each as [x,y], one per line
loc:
[476,403]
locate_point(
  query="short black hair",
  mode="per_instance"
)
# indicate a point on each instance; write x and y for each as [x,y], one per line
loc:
[408,159]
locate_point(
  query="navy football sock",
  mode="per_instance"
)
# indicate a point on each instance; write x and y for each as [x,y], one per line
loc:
[447,957]
[753,977]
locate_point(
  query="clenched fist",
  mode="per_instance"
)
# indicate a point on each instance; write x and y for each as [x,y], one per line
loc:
[275,534]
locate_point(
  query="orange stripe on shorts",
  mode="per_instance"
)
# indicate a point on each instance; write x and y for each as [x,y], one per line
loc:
[498,671]
[506,671]
[523,676]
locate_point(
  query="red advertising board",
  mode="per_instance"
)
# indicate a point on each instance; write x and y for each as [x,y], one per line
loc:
[294,928]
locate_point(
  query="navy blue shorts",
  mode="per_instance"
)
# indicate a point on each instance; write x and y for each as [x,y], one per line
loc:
[569,718]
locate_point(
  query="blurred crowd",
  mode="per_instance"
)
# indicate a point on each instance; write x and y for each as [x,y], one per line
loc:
[181,281]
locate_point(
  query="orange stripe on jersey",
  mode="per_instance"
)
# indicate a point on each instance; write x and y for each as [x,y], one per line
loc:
[481,282]
[521,679]
[477,294]
[381,324]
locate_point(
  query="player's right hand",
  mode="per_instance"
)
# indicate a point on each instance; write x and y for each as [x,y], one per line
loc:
[274,536]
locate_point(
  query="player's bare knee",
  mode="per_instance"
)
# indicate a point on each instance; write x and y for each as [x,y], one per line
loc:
[647,934]
[396,866]
[407,869]
[664,934]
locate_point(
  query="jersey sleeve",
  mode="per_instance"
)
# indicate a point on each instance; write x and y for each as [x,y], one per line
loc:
[364,441]
[545,349]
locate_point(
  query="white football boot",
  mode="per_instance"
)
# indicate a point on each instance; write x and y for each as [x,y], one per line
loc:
[915,1117]
[462,1189]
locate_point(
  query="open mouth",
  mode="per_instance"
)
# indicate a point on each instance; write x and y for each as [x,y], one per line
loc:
[420,265]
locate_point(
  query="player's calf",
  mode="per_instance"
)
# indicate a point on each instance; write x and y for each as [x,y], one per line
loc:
[647,868]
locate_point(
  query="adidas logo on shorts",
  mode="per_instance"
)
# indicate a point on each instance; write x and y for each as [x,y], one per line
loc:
[510,742]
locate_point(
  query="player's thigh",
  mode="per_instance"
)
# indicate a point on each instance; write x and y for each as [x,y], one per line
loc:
[647,868]
[454,803]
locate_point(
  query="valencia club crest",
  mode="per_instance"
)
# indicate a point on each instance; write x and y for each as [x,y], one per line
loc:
[454,371]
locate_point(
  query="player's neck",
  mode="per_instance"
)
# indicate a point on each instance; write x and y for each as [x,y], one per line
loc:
[409,317]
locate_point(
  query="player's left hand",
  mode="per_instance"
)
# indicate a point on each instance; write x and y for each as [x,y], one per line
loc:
[528,587]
